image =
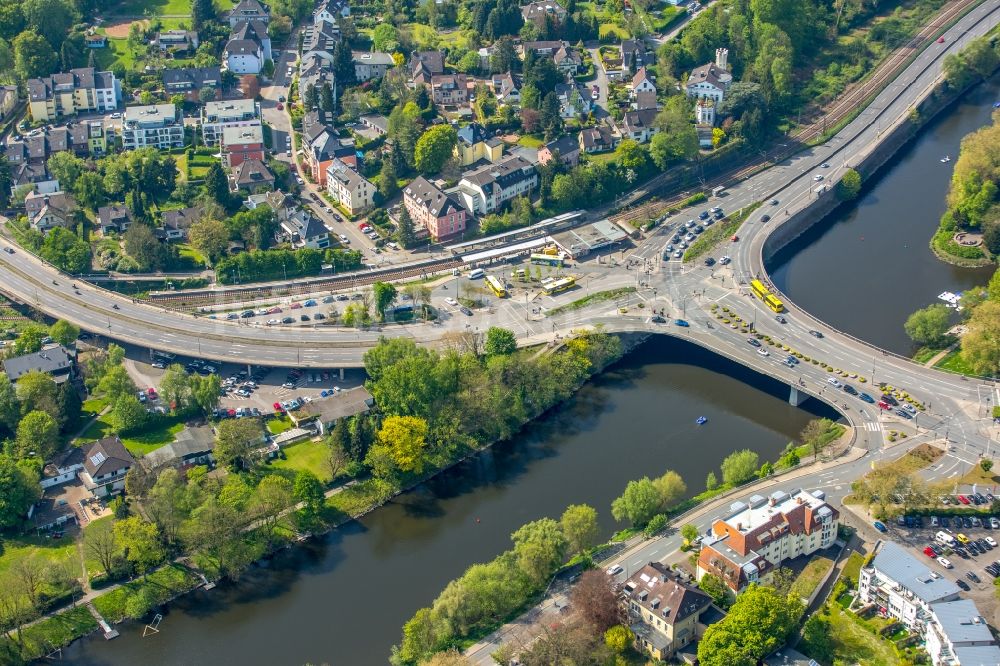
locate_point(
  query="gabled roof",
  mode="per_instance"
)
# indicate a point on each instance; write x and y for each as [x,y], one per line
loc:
[248,7]
[472,134]
[658,590]
[189,441]
[113,215]
[566,145]
[637,120]
[640,77]
[429,197]
[106,456]
[196,77]
[242,47]
[709,73]
[180,219]
[433,61]
[252,172]
[512,170]
[51,360]
[252,30]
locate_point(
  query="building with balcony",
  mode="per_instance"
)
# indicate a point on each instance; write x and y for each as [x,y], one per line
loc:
[189,81]
[105,464]
[371,65]
[957,635]
[242,143]
[76,91]
[352,190]
[450,89]
[156,126]
[249,10]
[440,214]
[663,613]
[710,81]
[902,586]
[47,211]
[476,143]
[487,189]
[216,116]
[325,147]
[749,542]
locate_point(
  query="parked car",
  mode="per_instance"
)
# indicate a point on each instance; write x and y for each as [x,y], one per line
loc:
[945,562]
[614,570]
[880,526]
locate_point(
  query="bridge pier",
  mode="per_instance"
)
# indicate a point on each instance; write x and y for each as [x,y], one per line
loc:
[794,397]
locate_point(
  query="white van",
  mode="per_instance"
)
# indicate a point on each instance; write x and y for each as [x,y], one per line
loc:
[944,538]
[476,274]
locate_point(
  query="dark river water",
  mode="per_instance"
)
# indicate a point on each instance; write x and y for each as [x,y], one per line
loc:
[867,267]
[344,600]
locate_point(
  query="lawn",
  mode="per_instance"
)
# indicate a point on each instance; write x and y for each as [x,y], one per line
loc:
[54,552]
[93,406]
[853,644]
[191,255]
[278,425]
[598,297]
[954,362]
[43,637]
[852,570]
[138,445]
[160,586]
[977,476]
[918,458]
[152,8]
[304,456]
[529,141]
[811,575]
[93,565]
[721,231]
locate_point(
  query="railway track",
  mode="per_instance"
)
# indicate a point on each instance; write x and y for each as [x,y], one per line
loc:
[845,105]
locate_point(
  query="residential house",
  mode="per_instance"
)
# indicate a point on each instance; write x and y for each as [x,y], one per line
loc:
[156,126]
[542,48]
[475,143]
[440,214]
[424,65]
[450,89]
[325,413]
[566,147]
[215,116]
[189,81]
[567,60]
[77,91]
[94,40]
[542,11]
[352,190]
[573,100]
[88,137]
[635,55]
[35,174]
[174,224]
[243,56]
[56,361]
[251,175]
[371,65]
[105,464]
[323,149]
[314,123]
[755,537]
[302,229]
[321,41]
[643,91]
[192,446]
[902,586]
[63,467]
[115,218]
[331,10]
[46,211]
[638,125]
[8,100]
[176,41]
[48,514]
[254,31]
[597,140]
[710,81]
[317,73]
[957,635]
[506,89]
[487,189]
[242,143]
[664,614]
[249,10]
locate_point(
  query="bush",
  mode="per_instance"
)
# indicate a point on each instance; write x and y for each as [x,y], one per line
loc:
[657,523]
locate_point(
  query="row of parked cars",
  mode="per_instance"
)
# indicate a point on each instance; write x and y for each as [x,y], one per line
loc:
[689,231]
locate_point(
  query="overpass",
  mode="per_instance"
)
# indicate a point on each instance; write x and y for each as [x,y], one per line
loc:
[676,286]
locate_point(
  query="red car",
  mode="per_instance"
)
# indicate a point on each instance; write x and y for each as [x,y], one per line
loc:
[929,552]
[280,106]
[151,392]
[277,407]
[296,306]
[940,40]
[274,310]
[964,500]
[232,413]
[882,404]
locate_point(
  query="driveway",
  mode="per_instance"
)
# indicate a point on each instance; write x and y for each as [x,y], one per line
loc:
[601,110]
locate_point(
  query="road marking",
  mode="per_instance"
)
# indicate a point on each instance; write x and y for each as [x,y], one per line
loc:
[873,426]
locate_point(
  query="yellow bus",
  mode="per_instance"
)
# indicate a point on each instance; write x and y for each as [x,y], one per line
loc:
[554,286]
[546,259]
[496,286]
[769,299]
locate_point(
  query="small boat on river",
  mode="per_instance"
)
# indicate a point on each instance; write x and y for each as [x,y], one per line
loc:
[945,159]
[701,420]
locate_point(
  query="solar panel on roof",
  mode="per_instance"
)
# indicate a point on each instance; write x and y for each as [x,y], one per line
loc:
[98,458]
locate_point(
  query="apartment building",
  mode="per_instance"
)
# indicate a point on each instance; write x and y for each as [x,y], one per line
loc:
[430,208]
[76,91]
[487,189]
[156,125]
[750,541]
[242,143]
[249,10]
[957,635]
[902,586]
[216,116]
[352,190]
[663,613]
[450,89]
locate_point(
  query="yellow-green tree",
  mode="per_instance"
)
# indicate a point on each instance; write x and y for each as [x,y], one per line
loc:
[399,446]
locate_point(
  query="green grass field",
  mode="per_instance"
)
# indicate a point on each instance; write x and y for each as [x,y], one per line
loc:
[52,552]
[811,576]
[153,8]
[138,445]
[43,637]
[309,456]
[953,362]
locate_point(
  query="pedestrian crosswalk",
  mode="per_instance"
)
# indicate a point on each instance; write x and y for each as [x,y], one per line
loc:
[873,426]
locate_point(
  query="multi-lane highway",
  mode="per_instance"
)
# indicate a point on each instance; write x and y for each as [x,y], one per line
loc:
[682,288]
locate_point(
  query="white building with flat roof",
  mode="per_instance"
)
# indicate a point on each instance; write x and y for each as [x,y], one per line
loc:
[216,116]
[957,635]
[903,586]
[156,125]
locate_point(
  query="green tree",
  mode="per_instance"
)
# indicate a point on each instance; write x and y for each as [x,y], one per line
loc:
[37,391]
[309,491]
[66,168]
[145,248]
[756,625]
[116,384]
[640,502]
[739,466]
[343,64]
[217,185]
[399,446]
[579,525]
[405,233]
[64,333]
[713,586]
[210,237]
[101,544]
[849,186]
[689,532]
[33,56]
[434,147]
[30,340]
[388,182]
[272,496]
[19,489]
[986,464]
[711,483]
[236,441]
[500,341]
[37,436]
[140,543]
[128,414]
[618,638]
[10,406]
[205,391]
[540,547]
[671,488]
[385,294]
[175,386]
[929,326]
[818,635]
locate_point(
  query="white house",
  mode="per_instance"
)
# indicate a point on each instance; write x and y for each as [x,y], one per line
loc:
[331,10]
[710,81]
[957,635]
[371,65]
[347,186]
[105,464]
[487,189]
[216,116]
[156,125]
[62,468]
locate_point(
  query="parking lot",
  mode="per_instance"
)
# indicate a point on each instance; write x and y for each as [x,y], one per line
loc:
[965,562]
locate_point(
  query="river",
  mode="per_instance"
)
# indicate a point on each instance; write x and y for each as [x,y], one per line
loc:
[344,599]
[866,268]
